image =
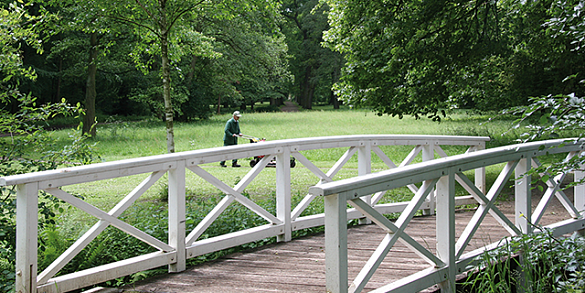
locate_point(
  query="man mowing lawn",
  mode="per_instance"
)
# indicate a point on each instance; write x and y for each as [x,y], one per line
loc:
[230,135]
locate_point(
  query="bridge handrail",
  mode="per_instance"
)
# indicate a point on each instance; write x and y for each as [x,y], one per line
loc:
[450,258]
[204,156]
[181,244]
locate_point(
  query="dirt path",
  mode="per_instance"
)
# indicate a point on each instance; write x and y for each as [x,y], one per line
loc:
[289,107]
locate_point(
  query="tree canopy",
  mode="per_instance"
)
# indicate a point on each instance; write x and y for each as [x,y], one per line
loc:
[184,60]
[421,57]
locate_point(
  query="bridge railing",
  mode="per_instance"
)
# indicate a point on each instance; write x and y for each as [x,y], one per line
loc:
[181,244]
[441,177]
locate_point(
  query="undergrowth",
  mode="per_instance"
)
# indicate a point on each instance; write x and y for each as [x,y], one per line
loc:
[537,263]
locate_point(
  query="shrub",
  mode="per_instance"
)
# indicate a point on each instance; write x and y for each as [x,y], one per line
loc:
[535,263]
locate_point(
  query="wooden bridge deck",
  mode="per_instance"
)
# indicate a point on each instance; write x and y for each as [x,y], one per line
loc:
[299,265]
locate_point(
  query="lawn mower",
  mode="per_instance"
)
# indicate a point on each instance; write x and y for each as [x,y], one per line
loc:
[257,159]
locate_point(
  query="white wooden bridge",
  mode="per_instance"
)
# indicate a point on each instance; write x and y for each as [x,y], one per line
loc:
[432,182]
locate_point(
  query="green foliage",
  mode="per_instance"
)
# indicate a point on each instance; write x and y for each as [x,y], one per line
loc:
[314,67]
[531,263]
[553,116]
[17,26]
[418,58]
[28,147]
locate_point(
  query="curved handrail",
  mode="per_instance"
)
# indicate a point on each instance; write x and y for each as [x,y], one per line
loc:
[442,174]
[212,155]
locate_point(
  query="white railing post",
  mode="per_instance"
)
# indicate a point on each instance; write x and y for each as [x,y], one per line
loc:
[579,194]
[364,168]
[445,229]
[523,195]
[26,237]
[283,196]
[428,154]
[480,172]
[177,216]
[336,262]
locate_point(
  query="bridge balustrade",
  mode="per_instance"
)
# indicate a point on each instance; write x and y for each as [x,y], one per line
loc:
[181,244]
[440,177]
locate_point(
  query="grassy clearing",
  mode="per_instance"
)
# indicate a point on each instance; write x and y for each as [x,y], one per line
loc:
[124,140]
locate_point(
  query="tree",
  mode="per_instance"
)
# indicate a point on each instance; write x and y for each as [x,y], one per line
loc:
[29,147]
[422,57]
[254,53]
[166,29]
[401,56]
[315,67]
[84,17]
[561,114]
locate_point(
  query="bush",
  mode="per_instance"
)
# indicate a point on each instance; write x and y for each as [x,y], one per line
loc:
[547,264]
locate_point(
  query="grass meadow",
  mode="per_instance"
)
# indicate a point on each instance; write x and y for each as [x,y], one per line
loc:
[123,140]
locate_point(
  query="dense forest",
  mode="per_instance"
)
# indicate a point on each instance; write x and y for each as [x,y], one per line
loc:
[185,60]
[400,58]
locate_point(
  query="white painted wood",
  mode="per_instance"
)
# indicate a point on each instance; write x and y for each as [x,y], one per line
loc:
[377,197]
[446,229]
[364,168]
[314,169]
[209,219]
[479,172]
[390,227]
[218,243]
[567,226]
[97,174]
[254,172]
[407,174]
[579,191]
[487,205]
[449,169]
[523,196]
[100,226]
[26,237]
[383,157]
[410,157]
[391,165]
[237,195]
[88,208]
[390,239]
[283,199]
[129,167]
[341,162]
[176,214]
[300,208]
[336,244]
[553,188]
[103,273]
[428,154]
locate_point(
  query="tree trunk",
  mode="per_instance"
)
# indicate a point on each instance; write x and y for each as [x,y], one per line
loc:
[333,98]
[57,97]
[306,99]
[90,91]
[166,75]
